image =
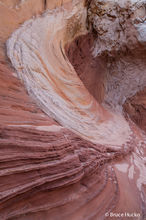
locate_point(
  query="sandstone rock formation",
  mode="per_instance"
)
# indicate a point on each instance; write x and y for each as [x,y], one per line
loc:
[136,108]
[13,13]
[123,45]
[82,157]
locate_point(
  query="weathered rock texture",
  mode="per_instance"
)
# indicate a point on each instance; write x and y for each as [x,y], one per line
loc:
[123,45]
[136,108]
[81,160]
[13,13]
[80,55]
[37,52]
[46,171]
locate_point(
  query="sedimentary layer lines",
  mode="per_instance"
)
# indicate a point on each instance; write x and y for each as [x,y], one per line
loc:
[37,52]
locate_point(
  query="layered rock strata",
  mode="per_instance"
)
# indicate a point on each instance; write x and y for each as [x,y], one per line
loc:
[46,171]
[81,160]
[37,52]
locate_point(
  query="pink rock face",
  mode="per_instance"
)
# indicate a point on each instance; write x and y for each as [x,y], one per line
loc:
[36,50]
[46,170]
[88,65]
[80,159]
[136,108]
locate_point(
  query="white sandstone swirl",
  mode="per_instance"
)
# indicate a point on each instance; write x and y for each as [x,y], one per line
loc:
[36,50]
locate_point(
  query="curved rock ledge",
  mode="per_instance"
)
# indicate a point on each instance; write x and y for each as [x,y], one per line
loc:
[46,171]
[62,171]
[37,52]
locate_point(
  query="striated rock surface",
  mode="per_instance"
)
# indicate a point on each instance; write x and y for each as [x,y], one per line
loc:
[80,55]
[53,82]
[46,171]
[82,158]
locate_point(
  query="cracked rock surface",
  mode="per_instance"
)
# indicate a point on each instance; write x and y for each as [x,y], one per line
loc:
[119,27]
